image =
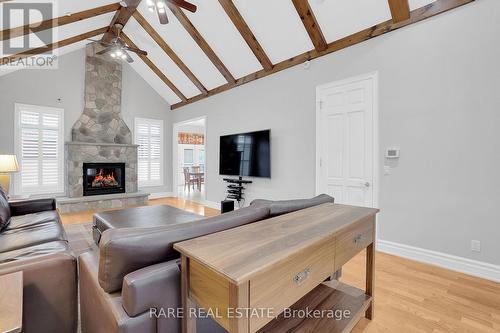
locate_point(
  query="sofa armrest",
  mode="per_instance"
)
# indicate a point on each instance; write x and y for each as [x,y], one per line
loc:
[152,287]
[25,207]
[49,292]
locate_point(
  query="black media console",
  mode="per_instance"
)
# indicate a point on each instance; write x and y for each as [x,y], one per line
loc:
[235,188]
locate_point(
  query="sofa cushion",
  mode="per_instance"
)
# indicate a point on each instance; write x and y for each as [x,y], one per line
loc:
[277,208]
[30,220]
[34,251]
[125,250]
[14,239]
[4,210]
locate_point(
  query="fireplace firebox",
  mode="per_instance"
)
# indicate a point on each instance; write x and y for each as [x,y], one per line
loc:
[103,178]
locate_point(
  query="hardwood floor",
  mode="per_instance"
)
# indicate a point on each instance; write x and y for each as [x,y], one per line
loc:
[410,297]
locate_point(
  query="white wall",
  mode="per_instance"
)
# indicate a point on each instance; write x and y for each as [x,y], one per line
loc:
[191,129]
[439,101]
[45,87]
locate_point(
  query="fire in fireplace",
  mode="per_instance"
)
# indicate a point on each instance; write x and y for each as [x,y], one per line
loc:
[103,178]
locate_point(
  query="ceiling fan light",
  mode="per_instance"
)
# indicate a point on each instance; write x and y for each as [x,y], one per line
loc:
[161,10]
[113,55]
[119,53]
[160,4]
[123,56]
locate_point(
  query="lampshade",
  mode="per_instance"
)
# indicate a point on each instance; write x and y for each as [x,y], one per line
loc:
[8,164]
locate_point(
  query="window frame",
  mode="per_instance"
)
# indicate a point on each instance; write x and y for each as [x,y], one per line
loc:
[149,122]
[38,190]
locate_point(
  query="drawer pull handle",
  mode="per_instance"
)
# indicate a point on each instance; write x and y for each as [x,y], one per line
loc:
[299,278]
[358,239]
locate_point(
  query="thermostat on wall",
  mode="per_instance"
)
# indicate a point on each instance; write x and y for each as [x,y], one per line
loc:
[392,153]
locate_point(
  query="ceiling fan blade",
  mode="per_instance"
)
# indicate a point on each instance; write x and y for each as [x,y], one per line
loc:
[162,11]
[128,57]
[184,4]
[135,50]
[106,50]
[100,42]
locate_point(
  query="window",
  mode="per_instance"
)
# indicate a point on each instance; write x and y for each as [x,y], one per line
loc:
[149,137]
[39,136]
[188,157]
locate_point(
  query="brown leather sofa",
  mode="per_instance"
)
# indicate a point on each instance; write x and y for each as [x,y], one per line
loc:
[32,240]
[137,270]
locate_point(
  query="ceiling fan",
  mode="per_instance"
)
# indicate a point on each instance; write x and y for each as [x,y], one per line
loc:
[117,48]
[160,7]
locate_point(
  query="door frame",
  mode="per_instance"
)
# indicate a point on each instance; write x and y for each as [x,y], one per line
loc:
[175,152]
[374,76]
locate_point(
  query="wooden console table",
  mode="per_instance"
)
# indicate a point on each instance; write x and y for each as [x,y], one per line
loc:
[11,302]
[247,276]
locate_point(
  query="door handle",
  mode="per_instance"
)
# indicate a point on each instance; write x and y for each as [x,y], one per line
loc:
[367,184]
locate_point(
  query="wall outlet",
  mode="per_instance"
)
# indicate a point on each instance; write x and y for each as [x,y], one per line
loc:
[475,246]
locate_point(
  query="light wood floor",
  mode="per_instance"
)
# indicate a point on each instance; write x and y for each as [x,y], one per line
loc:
[410,297]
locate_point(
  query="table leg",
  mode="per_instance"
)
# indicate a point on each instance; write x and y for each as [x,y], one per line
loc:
[370,278]
[188,322]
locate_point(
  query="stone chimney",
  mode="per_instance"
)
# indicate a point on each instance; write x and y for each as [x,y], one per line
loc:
[101,120]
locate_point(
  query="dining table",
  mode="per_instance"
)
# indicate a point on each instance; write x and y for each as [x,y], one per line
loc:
[198,177]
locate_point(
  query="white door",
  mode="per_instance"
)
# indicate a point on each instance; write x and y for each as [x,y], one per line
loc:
[345,140]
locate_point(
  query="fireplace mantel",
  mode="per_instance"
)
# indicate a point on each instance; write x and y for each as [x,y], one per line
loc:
[74,143]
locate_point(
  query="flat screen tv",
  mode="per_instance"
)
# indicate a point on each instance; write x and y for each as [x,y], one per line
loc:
[246,154]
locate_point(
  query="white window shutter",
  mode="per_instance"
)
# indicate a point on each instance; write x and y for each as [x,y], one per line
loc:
[149,137]
[39,137]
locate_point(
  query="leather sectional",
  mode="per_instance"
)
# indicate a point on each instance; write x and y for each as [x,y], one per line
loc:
[32,240]
[137,269]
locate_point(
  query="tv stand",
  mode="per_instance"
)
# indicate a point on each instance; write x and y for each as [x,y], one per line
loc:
[235,188]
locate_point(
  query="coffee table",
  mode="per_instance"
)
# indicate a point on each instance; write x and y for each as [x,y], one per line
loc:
[140,217]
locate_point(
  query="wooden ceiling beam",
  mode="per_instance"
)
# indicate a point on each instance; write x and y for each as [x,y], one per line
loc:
[122,16]
[400,10]
[246,33]
[50,47]
[57,22]
[311,24]
[168,50]
[155,69]
[202,43]
[417,15]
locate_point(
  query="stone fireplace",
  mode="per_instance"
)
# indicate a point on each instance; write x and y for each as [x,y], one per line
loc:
[101,136]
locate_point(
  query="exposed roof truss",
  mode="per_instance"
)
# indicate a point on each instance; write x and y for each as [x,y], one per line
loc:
[401,14]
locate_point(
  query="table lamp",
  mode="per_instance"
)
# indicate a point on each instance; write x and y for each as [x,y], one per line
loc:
[8,165]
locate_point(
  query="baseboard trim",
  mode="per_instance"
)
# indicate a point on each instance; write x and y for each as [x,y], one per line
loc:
[159,195]
[212,204]
[458,264]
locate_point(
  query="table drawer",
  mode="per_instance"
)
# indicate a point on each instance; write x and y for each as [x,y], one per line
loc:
[353,240]
[283,284]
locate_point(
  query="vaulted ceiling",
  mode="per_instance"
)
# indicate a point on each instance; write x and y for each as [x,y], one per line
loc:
[227,43]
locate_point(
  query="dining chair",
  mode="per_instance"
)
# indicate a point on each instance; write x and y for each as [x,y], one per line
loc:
[188,179]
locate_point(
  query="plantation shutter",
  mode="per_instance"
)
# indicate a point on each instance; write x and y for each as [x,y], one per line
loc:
[149,137]
[39,149]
